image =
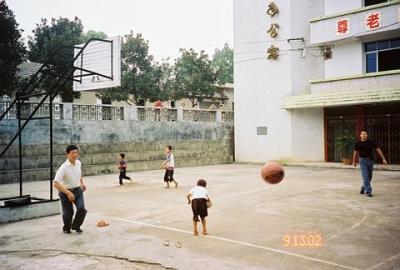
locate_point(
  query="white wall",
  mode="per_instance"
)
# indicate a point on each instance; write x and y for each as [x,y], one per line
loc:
[338,6]
[307,134]
[347,59]
[310,65]
[86,98]
[307,130]
[258,87]
[261,84]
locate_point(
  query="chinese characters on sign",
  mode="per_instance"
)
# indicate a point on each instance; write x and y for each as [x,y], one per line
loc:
[342,27]
[273,52]
[272,9]
[373,21]
[273,30]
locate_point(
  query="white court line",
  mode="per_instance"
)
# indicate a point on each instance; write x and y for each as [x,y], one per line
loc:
[236,242]
[388,260]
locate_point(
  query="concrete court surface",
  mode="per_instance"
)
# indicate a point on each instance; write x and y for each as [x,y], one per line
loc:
[151,227]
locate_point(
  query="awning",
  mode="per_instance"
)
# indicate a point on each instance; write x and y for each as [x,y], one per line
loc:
[341,98]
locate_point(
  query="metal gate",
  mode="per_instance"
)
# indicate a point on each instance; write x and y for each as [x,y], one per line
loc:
[385,131]
[336,128]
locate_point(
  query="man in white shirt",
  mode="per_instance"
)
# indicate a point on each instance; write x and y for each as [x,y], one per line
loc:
[69,183]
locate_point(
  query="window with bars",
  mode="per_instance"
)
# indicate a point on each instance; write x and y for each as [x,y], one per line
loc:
[382,55]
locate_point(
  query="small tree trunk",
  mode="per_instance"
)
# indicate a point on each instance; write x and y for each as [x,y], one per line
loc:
[194,103]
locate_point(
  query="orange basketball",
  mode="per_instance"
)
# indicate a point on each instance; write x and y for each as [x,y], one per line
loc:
[272,172]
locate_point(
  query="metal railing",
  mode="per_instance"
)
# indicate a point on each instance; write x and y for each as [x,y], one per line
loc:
[97,112]
[28,107]
[227,116]
[108,112]
[198,115]
[157,114]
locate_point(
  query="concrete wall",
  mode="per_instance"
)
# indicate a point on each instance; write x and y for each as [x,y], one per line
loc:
[369,81]
[307,134]
[323,29]
[87,98]
[347,60]
[304,65]
[257,88]
[335,6]
[261,84]
[100,142]
[90,98]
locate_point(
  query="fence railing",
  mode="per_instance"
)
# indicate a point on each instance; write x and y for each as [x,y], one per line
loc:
[198,115]
[156,114]
[97,112]
[69,111]
[27,109]
[227,116]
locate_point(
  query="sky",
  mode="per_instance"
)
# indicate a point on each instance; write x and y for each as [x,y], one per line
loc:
[168,24]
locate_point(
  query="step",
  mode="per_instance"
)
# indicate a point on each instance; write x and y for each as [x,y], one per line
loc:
[43,150]
[112,158]
[40,174]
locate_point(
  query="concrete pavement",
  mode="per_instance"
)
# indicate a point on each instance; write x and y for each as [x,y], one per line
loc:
[249,222]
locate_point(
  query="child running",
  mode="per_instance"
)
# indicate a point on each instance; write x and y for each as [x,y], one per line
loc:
[169,165]
[122,169]
[198,196]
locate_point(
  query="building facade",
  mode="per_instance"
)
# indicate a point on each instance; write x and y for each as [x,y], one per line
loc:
[311,74]
[223,99]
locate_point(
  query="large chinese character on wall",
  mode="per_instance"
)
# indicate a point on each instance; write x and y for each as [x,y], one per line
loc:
[272,9]
[272,51]
[342,27]
[373,20]
[273,30]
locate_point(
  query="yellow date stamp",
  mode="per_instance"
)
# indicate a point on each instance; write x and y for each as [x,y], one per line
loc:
[303,239]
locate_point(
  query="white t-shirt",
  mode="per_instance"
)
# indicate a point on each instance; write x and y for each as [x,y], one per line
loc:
[199,192]
[170,161]
[69,175]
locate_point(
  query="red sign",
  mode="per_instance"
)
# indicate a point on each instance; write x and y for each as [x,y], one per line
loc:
[342,26]
[373,21]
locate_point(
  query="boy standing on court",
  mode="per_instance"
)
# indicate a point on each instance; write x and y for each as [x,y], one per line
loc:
[169,165]
[364,149]
[122,169]
[69,183]
[198,196]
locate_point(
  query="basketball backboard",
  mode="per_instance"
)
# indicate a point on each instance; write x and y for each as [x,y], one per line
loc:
[99,65]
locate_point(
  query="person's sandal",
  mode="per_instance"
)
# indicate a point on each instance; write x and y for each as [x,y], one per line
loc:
[166,243]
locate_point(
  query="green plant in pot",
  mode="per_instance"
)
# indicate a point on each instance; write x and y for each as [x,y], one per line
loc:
[345,143]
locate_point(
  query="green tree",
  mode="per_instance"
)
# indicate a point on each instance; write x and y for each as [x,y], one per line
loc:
[93,34]
[12,50]
[59,35]
[194,77]
[141,77]
[222,62]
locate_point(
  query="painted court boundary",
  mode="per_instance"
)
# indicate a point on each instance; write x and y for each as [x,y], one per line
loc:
[236,242]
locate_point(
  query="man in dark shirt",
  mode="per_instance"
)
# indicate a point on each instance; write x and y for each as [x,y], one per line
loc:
[364,149]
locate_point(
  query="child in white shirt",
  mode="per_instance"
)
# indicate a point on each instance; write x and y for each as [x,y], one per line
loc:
[198,196]
[169,165]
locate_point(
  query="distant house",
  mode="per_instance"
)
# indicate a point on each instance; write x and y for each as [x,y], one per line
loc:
[27,69]
[223,97]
